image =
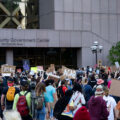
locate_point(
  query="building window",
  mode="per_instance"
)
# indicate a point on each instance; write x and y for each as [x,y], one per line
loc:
[19,13]
[46,56]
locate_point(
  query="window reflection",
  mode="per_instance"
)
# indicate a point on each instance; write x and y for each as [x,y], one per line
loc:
[15,13]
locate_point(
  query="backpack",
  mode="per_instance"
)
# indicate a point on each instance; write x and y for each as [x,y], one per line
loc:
[10,94]
[61,104]
[39,100]
[22,106]
[60,92]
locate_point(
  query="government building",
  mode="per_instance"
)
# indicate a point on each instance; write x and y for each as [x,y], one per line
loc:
[57,31]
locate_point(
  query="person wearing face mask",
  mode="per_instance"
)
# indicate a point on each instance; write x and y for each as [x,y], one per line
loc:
[8,94]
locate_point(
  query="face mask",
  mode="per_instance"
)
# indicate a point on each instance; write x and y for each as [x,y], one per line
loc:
[10,84]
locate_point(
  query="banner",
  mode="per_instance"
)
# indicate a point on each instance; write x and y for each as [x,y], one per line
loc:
[115,88]
[26,65]
[71,74]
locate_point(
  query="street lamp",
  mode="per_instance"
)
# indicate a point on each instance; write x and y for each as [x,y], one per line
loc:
[96,48]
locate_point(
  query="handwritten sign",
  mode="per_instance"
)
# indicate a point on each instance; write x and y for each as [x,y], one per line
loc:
[71,74]
[115,87]
[8,69]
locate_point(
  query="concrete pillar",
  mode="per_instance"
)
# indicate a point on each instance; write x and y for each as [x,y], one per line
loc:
[9,56]
[79,60]
[88,59]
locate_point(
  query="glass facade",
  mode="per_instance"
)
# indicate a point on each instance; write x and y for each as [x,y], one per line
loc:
[19,14]
[46,56]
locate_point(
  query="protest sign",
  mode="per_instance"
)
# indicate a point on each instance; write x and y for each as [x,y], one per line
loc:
[8,69]
[54,77]
[34,69]
[117,65]
[51,69]
[115,88]
[40,68]
[99,63]
[71,74]
[26,65]
[113,68]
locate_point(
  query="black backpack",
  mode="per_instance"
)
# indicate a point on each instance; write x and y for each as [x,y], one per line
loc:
[60,92]
[62,103]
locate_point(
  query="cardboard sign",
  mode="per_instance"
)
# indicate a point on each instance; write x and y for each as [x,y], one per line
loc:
[51,69]
[71,74]
[113,68]
[54,77]
[115,88]
[8,69]
[99,63]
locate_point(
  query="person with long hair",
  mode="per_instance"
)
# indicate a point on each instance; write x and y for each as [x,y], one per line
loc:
[41,91]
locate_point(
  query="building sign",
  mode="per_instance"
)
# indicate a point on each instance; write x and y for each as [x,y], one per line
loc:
[23,42]
[12,42]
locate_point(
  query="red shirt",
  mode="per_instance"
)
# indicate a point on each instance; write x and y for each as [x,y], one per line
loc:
[64,88]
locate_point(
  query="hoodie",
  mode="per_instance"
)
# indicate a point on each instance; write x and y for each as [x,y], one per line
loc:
[97,108]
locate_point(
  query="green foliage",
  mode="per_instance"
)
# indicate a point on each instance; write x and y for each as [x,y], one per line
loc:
[114,53]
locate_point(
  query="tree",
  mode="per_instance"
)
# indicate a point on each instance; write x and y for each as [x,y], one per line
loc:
[114,53]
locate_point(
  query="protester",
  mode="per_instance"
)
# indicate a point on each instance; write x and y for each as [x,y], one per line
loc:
[87,90]
[41,99]
[91,80]
[97,106]
[62,89]
[117,111]
[22,101]
[111,104]
[8,94]
[52,95]
[99,82]
[76,100]
[78,97]
[82,114]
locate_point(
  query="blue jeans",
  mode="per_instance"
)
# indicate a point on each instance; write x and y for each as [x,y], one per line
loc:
[41,114]
[51,113]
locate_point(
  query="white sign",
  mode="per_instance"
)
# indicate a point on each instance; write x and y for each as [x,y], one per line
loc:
[8,69]
[117,65]
[71,74]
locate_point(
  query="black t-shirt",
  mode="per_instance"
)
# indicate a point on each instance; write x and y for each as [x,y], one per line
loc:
[9,104]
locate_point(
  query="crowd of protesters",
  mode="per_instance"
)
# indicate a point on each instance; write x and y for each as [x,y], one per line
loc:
[34,96]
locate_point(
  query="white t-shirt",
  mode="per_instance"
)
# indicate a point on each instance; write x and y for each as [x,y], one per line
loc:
[78,100]
[112,103]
